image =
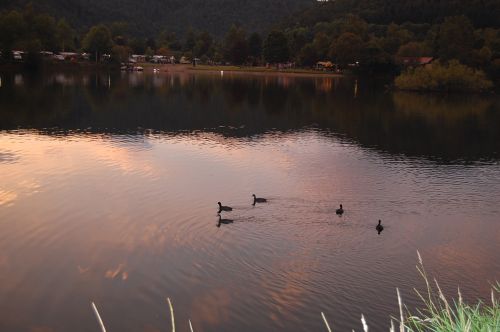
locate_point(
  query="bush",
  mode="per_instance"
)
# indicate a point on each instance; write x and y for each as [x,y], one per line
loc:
[450,77]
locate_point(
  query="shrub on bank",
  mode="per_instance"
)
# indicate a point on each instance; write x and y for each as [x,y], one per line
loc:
[444,77]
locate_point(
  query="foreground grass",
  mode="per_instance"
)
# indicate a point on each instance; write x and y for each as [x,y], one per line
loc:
[440,315]
[437,315]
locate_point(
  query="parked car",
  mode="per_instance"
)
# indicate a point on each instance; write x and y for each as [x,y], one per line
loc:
[58,57]
[17,56]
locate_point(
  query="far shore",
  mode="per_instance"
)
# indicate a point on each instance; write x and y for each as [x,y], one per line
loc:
[181,68]
[265,71]
[260,70]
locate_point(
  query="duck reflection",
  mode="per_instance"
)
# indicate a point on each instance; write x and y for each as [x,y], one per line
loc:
[224,221]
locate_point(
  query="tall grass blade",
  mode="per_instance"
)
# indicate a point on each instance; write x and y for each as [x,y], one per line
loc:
[326,322]
[363,321]
[401,318]
[443,298]
[99,320]
[190,325]
[171,314]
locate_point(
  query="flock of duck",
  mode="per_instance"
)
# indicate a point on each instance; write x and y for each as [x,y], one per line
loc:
[339,212]
[228,208]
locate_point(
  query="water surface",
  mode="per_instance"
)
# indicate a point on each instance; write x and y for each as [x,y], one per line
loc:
[109,185]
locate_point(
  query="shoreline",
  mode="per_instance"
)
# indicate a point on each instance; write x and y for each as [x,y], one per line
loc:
[257,71]
[176,69]
[261,71]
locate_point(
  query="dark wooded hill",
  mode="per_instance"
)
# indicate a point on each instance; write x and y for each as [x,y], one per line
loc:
[149,17]
[482,13]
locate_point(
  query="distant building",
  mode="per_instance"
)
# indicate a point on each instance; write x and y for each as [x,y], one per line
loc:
[327,66]
[161,59]
[17,55]
[410,61]
[58,57]
[69,55]
[138,57]
[323,65]
[47,54]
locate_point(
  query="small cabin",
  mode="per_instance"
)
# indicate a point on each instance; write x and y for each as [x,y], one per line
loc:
[138,57]
[410,61]
[72,56]
[324,65]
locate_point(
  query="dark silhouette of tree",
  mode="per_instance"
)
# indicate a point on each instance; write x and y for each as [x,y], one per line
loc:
[235,45]
[414,49]
[347,48]
[255,45]
[203,45]
[308,55]
[275,47]
[138,45]
[456,38]
[65,35]
[98,41]
[12,26]
[190,41]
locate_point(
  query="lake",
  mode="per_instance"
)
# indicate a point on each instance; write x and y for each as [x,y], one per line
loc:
[109,186]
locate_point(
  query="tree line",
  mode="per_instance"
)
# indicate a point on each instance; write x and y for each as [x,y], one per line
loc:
[148,17]
[343,39]
[33,32]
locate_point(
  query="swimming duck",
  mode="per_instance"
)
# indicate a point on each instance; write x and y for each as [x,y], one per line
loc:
[339,211]
[224,208]
[258,199]
[379,227]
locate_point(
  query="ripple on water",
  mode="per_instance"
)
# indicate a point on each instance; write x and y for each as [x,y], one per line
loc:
[129,216]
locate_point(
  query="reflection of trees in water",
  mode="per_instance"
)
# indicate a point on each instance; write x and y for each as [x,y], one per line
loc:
[274,98]
[457,125]
[438,126]
[32,102]
[447,107]
[447,128]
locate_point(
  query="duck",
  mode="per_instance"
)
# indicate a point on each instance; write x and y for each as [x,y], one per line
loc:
[340,211]
[224,208]
[258,199]
[224,221]
[379,227]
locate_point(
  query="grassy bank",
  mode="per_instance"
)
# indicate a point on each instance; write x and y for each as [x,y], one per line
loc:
[264,70]
[178,68]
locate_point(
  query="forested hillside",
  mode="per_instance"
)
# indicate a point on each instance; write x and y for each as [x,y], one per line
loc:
[370,35]
[149,17]
[482,13]
[460,35]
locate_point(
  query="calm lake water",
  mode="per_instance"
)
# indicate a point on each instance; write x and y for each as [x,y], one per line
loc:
[109,187]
